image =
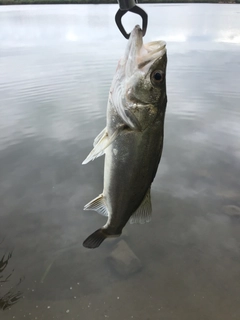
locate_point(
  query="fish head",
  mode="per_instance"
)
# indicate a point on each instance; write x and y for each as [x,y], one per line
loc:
[145,70]
[139,81]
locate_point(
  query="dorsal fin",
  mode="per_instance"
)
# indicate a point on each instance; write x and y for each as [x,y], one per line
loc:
[143,213]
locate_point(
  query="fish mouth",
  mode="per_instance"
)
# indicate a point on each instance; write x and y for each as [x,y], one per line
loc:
[138,54]
[134,65]
[151,52]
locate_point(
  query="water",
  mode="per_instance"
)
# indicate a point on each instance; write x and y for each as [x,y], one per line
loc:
[56,65]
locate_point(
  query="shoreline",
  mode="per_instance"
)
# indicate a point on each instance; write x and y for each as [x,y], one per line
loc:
[30,2]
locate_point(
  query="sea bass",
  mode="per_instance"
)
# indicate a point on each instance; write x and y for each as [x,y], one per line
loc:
[133,138]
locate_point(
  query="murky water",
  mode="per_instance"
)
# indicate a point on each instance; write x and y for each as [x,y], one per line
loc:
[56,65]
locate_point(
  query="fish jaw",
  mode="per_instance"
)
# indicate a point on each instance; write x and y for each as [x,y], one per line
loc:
[139,56]
[134,47]
[131,85]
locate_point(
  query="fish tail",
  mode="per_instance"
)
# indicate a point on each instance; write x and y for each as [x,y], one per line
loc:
[95,239]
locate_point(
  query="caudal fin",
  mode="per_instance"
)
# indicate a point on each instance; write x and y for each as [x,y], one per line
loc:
[95,239]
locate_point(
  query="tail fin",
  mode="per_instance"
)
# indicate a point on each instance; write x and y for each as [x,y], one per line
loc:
[95,239]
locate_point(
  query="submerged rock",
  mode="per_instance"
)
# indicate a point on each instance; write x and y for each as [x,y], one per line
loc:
[123,259]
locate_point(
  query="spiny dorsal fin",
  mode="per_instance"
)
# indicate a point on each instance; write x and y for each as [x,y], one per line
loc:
[98,204]
[143,213]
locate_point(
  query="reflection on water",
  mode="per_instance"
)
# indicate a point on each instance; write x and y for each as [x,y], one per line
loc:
[12,295]
[56,66]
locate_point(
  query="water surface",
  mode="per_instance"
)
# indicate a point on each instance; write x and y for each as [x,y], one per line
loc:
[56,66]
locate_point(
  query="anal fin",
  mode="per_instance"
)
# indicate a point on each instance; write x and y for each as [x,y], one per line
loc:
[144,211]
[98,204]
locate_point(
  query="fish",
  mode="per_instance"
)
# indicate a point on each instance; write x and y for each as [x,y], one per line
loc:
[132,140]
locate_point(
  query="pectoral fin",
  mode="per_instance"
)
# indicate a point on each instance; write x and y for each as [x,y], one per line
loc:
[144,211]
[101,142]
[99,136]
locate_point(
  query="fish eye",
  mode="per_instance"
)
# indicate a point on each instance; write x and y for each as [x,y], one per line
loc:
[157,76]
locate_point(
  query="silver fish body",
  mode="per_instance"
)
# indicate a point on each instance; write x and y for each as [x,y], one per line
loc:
[133,138]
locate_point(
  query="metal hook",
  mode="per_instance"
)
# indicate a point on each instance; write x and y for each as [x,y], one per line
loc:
[137,10]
